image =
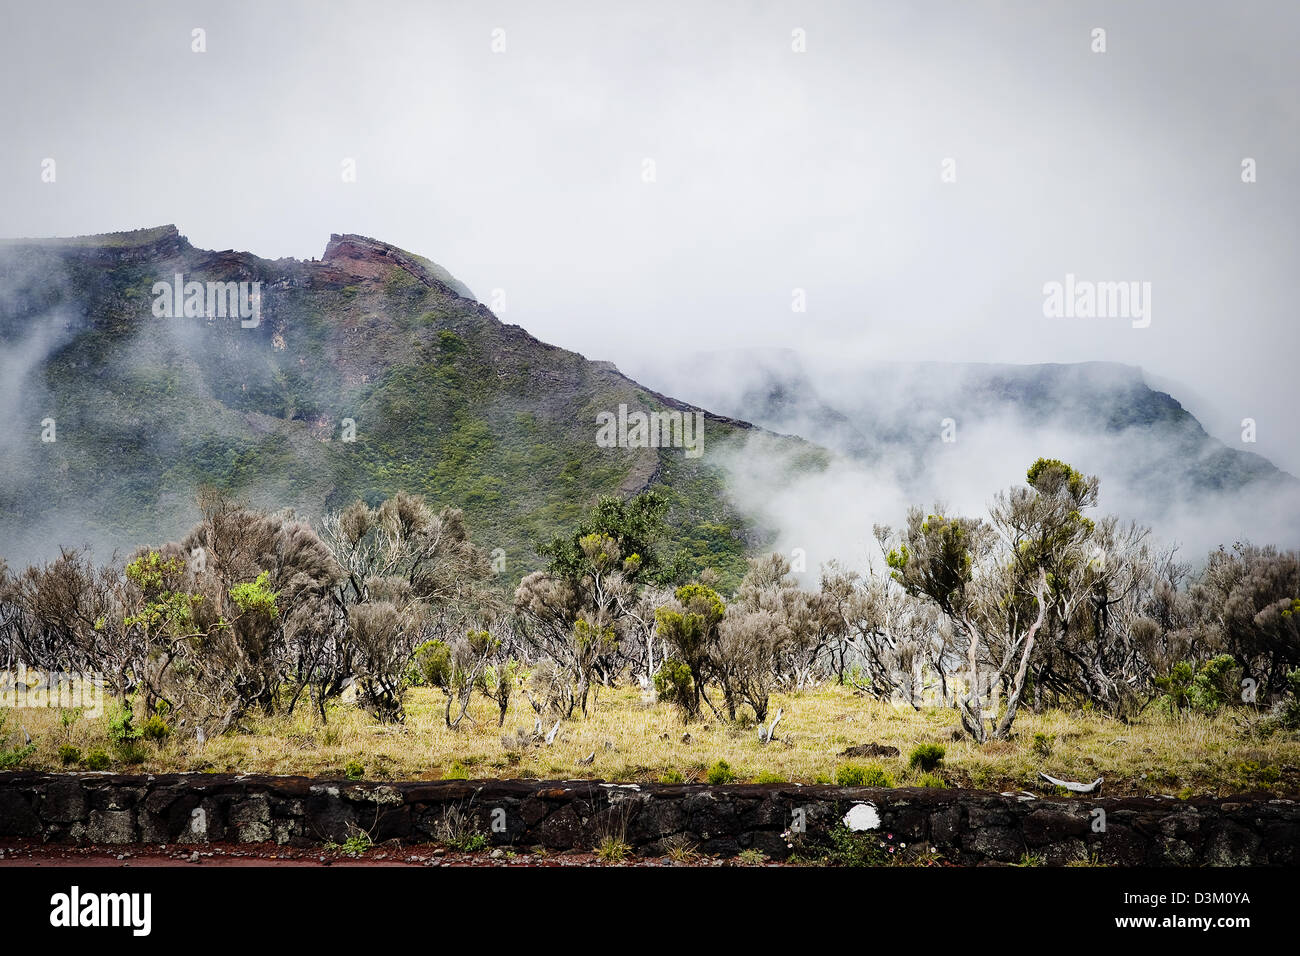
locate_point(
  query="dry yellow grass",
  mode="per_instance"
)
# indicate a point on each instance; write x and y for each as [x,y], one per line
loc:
[634,741]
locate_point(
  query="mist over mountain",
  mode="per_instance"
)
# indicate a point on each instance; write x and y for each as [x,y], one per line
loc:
[374,370]
[369,371]
[889,421]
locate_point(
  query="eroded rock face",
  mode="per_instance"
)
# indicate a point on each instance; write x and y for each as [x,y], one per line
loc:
[965,826]
[363,257]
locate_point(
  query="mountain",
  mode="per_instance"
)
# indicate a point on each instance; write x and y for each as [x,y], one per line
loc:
[369,371]
[373,370]
[1157,464]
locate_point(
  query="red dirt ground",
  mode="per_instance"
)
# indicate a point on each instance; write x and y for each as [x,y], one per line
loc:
[24,853]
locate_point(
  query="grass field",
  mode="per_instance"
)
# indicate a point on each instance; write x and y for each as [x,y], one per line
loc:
[636,741]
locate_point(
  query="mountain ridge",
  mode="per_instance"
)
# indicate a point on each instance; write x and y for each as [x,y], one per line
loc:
[445,400]
[929,430]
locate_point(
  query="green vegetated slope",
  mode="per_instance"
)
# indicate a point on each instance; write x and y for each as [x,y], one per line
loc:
[446,401]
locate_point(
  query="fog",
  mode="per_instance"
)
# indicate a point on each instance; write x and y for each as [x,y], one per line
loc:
[830,515]
[523,170]
[921,434]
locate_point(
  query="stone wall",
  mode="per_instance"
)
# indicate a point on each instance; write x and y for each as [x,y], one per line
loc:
[960,825]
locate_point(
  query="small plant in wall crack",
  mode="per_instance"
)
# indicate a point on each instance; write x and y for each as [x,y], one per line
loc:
[356,845]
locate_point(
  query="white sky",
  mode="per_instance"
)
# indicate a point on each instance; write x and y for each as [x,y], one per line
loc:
[522,170]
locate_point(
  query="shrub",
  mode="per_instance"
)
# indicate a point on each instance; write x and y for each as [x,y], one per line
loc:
[123,734]
[11,756]
[97,760]
[256,597]
[155,729]
[862,775]
[982,777]
[1207,689]
[471,843]
[850,775]
[859,849]
[132,753]
[1177,686]
[672,776]
[1217,683]
[1288,712]
[680,849]
[457,830]
[613,850]
[1042,745]
[927,757]
[932,780]
[457,771]
[721,772]
[1252,773]
[354,770]
[768,776]
[69,754]
[674,685]
[432,663]
[356,845]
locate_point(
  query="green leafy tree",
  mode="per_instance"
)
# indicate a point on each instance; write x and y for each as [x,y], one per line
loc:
[637,529]
[1007,584]
[460,666]
[588,610]
[690,626]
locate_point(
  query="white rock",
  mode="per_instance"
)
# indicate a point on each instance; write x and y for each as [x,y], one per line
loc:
[862,816]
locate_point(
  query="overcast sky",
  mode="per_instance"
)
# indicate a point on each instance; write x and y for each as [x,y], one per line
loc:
[524,170]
